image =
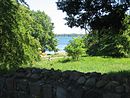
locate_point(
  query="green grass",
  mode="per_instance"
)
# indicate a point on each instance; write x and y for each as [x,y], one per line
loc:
[87,64]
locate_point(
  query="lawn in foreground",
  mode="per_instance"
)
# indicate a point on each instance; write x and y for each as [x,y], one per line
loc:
[87,64]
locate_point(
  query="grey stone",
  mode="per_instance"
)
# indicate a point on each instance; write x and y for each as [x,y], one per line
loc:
[35,77]
[111,95]
[2,81]
[54,84]
[28,74]
[10,83]
[20,75]
[76,93]
[21,70]
[87,77]
[81,80]
[61,92]
[92,94]
[105,77]
[127,88]
[66,74]
[36,70]
[22,95]
[35,88]
[101,83]
[111,85]
[91,82]
[47,91]
[22,85]
[95,74]
[119,89]
[10,94]
[74,76]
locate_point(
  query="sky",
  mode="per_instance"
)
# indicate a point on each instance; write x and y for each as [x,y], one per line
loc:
[57,16]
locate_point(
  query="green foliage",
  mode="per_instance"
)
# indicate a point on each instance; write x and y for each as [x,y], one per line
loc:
[75,48]
[107,43]
[22,33]
[106,21]
[17,46]
[43,30]
[94,13]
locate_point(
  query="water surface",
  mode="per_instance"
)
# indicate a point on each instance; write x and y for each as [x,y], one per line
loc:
[62,43]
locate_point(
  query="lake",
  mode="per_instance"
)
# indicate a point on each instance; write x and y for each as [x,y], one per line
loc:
[62,42]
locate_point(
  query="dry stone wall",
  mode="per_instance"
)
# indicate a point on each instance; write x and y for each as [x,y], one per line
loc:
[43,83]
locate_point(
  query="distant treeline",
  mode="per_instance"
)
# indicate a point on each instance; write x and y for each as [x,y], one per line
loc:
[69,34]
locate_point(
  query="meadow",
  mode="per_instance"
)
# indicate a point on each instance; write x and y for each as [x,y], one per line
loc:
[85,64]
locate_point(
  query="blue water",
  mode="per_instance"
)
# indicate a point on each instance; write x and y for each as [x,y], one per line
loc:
[62,43]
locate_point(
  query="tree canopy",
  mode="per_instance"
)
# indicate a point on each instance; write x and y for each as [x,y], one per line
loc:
[94,13]
[109,43]
[17,44]
[107,22]
[43,30]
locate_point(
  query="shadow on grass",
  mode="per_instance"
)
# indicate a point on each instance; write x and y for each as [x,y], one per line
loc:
[123,73]
[65,60]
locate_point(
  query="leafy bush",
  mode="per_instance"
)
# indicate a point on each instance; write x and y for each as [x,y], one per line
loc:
[22,33]
[109,43]
[75,48]
[17,46]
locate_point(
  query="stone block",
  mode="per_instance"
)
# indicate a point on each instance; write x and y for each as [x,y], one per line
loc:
[76,93]
[10,84]
[91,82]
[81,80]
[74,76]
[23,95]
[35,77]
[2,82]
[47,91]
[10,94]
[120,89]
[22,85]
[127,88]
[111,85]
[35,88]
[92,94]
[61,92]
[111,95]
[101,83]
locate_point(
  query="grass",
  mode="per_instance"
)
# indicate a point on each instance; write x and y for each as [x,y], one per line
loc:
[86,64]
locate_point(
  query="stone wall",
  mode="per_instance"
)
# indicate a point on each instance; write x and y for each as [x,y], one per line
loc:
[43,83]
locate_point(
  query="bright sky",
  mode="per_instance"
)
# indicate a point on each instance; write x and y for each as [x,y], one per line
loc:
[57,16]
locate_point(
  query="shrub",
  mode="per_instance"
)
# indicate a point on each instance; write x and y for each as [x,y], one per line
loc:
[75,48]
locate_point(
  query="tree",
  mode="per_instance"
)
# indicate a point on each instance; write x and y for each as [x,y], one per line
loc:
[105,20]
[115,45]
[43,30]
[75,48]
[17,47]
[105,13]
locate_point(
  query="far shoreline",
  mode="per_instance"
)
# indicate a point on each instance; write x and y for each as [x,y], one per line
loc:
[52,52]
[72,34]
